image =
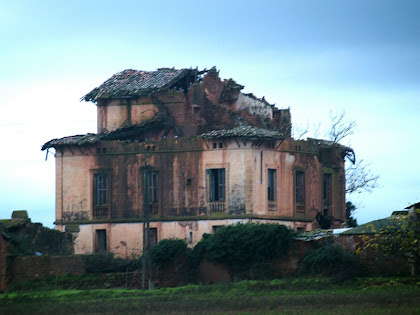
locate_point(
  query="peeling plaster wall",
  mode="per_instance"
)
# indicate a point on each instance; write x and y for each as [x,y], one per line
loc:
[254,106]
[182,165]
[126,239]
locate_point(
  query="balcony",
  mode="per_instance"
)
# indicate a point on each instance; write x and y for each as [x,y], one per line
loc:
[154,209]
[217,206]
[100,212]
[272,207]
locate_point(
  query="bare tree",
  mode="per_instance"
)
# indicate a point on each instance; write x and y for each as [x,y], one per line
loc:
[340,127]
[359,177]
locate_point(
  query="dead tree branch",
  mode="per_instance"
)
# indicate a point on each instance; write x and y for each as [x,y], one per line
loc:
[359,178]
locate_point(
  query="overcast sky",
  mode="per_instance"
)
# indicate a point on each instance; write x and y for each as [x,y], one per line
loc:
[311,56]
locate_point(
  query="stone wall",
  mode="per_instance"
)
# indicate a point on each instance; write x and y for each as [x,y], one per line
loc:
[27,268]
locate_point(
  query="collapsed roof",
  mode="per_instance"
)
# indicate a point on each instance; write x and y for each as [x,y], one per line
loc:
[244,131]
[134,83]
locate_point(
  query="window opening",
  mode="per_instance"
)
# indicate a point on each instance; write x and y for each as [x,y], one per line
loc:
[153,237]
[327,194]
[300,188]
[217,184]
[100,245]
[271,184]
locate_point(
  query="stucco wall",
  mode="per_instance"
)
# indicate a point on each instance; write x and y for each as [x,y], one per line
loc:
[182,166]
[126,239]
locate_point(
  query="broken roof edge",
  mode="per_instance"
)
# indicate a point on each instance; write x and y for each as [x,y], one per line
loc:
[347,151]
[115,87]
[123,133]
[132,83]
[244,131]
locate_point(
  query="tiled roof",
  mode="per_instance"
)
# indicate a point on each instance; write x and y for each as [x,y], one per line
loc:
[244,131]
[374,227]
[125,133]
[134,83]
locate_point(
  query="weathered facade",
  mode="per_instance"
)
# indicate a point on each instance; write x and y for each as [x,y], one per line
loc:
[190,152]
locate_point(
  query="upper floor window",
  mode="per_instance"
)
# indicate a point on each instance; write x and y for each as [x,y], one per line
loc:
[152,186]
[101,195]
[327,194]
[271,184]
[216,184]
[101,189]
[300,188]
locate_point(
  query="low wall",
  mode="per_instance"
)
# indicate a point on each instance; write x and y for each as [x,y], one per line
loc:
[24,268]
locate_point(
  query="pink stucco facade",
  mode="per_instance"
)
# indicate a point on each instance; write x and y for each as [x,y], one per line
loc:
[197,166]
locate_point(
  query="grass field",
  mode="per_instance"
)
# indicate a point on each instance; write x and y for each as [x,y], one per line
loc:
[297,296]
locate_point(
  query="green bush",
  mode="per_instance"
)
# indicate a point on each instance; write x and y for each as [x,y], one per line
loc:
[332,260]
[106,262]
[248,250]
[169,250]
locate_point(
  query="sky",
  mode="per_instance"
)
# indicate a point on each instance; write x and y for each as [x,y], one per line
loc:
[315,57]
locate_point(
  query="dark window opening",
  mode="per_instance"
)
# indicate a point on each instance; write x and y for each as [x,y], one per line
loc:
[152,187]
[214,145]
[300,188]
[100,244]
[217,184]
[215,227]
[220,145]
[190,237]
[327,194]
[271,181]
[153,240]
[103,150]
[101,189]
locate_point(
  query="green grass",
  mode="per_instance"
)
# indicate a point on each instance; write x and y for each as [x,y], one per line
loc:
[286,296]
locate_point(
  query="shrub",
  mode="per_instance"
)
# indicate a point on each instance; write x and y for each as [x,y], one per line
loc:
[169,250]
[105,262]
[248,250]
[332,260]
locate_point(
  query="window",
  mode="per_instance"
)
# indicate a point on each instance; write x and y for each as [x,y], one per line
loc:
[300,188]
[327,194]
[152,237]
[190,237]
[100,241]
[100,195]
[152,187]
[271,183]
[216,184]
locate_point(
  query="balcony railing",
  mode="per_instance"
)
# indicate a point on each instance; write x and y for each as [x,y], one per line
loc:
[154,208]
[100,212]
[272,206]
[217,206]
[300,209]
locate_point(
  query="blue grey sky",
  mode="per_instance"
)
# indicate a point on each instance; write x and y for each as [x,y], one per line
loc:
[312,56]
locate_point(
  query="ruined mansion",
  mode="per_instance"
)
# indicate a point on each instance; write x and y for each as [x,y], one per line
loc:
[188,152]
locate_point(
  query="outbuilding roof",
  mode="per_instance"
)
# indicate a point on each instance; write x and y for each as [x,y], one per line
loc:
[374,227]
[244,131]
[135,83]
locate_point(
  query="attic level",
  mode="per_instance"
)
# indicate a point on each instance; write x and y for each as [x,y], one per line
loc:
[191,102]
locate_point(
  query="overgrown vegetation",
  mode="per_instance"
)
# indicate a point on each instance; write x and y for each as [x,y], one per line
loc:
[107,262]
[399,241]
[332,260]
[247,250]
[169,250]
